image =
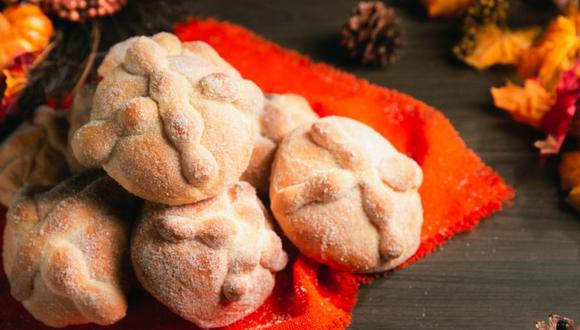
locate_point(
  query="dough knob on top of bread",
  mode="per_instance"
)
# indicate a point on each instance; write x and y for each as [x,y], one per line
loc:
[172,122]
[346,197]
[212,262]
[64,250]
[34,154]
[280,115]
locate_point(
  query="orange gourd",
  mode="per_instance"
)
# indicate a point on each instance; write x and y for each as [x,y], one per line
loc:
[23,29]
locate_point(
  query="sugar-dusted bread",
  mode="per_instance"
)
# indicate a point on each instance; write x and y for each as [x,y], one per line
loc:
[280,115]
[79,115]
[345,197]
[173,123]
[34,154]
[65,250]
[212,262]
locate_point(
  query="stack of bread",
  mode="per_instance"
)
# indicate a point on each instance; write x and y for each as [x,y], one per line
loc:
[171,155]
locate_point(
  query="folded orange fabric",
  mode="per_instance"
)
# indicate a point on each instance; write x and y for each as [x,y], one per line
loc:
[458,189]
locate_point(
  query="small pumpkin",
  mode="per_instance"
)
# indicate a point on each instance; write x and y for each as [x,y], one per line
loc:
[23,29]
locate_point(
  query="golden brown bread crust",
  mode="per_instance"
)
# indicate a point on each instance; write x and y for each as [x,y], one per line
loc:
[345,197]
[64,250]
[34,154]
[280,115]
[173,123]
[212,262]
[79,115]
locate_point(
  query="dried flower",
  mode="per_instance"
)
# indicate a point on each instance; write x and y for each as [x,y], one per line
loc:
[446,8]
[499,46]
[526,104]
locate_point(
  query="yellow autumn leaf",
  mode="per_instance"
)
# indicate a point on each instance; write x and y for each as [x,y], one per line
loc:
[500,46]
[570,177]
[446,8]
[555,52]
[527,104]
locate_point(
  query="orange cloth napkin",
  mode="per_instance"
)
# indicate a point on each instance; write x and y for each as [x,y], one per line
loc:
[458,189]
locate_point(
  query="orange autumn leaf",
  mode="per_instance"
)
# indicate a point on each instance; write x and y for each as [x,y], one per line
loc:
[526,104]
[500,46]
[555,52]
[445,8]
[570,177]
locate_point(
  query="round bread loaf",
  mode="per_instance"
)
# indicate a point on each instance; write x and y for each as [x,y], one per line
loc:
[212,262]
[173,123]
[346,197]
[79,115]
[65,250]
[281,114]
[34,154]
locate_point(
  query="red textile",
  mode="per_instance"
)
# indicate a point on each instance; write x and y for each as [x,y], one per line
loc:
[457,192]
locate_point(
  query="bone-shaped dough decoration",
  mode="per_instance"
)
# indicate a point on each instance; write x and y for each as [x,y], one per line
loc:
[64,250]
[346,197]
[212,262]
[173,123]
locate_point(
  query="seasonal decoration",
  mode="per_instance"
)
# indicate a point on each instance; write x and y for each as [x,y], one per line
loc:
[570,177]
[494,45]
[373,35]
[556,122]
[23,29]
[446,8]
[480,14]
[25,34]
[526,104]
[487,40]
[81,10]
[556,322]
[553,53]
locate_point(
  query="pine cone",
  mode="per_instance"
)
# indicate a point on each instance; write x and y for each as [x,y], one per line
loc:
[373,35]
[80,10]
[481,13]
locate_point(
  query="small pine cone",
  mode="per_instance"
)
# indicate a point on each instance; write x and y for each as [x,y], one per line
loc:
[481,13]
[373,35]
[81,10]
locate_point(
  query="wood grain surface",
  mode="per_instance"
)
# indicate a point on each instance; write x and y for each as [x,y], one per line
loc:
[518,266]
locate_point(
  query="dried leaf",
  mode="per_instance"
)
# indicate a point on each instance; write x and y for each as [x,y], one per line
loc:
[556,122]
[526,104]
[570,177]
[494,45]
[446,8]
[553,53]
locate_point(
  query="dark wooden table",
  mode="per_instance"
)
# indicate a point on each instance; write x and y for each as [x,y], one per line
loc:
[518,266]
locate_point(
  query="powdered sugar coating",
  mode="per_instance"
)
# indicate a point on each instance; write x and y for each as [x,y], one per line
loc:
[34,154]
[64,250]
[79,115]
[212,262]
[346,197]
[172,123]
[281,114]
